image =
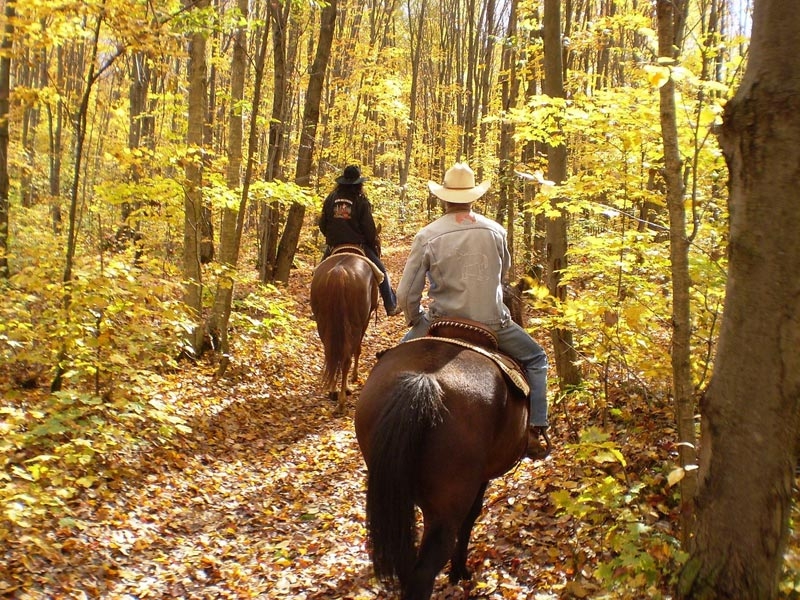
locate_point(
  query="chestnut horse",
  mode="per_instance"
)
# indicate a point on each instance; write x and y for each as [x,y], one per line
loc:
[435,422]
[344,294]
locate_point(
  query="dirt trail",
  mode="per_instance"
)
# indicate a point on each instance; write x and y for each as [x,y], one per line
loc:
[265,498]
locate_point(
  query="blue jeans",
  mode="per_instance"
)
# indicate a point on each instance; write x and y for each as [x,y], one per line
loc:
[385,288]
[514,341]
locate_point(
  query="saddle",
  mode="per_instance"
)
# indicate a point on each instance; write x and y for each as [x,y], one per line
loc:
[356,250]
[476,336]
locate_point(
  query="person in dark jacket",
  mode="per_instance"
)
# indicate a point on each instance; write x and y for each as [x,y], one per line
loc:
[347,219]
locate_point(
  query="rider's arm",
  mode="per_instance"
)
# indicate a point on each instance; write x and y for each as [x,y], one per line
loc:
[412,283]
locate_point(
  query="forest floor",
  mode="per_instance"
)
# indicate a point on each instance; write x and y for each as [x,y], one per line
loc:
[265,497]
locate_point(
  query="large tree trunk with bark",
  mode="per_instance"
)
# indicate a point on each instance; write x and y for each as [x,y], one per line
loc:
[193,197]
[556,228]
[316,80]
[750,412]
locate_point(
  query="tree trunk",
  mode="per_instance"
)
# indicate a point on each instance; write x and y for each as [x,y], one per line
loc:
[417,40]
[55,146]
[193,196]
[750,412]
[5,88]
[682,387]
[137,95]
[556,228]
[81,119]
[316,81]
[272,213]
[228,235]
[294,221]
[289,240]
[507,149]
[483,94]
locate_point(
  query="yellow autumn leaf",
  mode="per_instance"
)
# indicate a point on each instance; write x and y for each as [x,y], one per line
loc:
[657,76]
[675,476]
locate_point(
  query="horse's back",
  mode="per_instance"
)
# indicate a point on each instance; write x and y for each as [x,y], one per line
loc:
[344,287]
[346,274]
[344,295]
[482,431]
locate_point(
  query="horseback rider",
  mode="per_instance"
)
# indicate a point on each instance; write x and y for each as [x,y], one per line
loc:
[347,219]
[465,258]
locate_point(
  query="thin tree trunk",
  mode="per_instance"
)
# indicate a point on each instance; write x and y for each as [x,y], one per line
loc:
[193,193]
[55,147]
[228,241]
[416,41]
[556,228]
[271,213]
[80,138]
[5,88]
[507,150]
[682,387]
[316,81]
[751,410]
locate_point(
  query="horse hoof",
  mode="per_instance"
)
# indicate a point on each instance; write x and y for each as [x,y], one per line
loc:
[459,574]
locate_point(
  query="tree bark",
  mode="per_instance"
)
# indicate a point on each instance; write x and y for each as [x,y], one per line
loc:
[193,197]
[750,412]
[507,147]
[5,88]
[272,213]
[289,240]
[81,119]
[316,81]
[556,228]
[55,122]
[417,40]
[229,235]
[669,12]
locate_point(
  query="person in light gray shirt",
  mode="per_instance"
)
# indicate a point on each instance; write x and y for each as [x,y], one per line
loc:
[464,258]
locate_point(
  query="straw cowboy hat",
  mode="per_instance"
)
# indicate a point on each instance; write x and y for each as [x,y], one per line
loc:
[459,185]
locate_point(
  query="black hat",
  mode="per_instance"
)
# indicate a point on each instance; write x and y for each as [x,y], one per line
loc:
[351,176]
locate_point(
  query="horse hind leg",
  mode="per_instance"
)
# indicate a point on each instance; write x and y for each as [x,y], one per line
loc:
[458,562]
[341,403]
[356,356]
[434,551]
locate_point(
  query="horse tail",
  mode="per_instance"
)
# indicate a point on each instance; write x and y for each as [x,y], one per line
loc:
[414,408]
[337,328]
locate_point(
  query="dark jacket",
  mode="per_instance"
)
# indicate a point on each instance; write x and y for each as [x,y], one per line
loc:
[347,218]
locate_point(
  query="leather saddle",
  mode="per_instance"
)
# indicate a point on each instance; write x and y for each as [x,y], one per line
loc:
[481,339]
[356,250]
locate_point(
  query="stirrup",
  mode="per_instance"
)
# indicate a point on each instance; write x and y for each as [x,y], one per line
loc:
[537,452]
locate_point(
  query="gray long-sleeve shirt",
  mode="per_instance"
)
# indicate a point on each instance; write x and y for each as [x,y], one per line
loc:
[464,257]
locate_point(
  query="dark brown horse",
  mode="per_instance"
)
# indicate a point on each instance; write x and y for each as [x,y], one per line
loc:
[435,422]
[344,293]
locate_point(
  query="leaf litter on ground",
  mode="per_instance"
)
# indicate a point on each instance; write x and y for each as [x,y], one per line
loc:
[264,498]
